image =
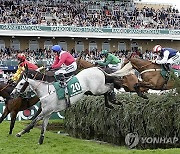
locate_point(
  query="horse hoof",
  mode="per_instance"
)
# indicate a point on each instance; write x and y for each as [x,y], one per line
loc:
[40,143]
[110,106]
[41,139]
[18,135]
[144,96]
[119,104]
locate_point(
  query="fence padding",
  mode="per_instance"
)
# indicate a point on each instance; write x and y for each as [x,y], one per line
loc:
[157,117]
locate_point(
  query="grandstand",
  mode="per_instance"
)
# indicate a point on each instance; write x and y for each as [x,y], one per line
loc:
[33,26]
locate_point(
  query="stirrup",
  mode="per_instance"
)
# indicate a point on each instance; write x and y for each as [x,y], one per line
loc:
[59,77]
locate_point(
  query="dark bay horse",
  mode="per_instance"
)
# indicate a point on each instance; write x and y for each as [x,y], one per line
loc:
[150,74]
[128,82]
[13,106]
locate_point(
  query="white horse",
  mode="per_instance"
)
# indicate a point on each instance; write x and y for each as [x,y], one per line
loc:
[92,80]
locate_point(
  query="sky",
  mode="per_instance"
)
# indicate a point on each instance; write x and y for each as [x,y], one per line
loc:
[173,2]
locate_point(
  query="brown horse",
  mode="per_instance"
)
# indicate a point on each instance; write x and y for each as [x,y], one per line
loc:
[13,106]
[127,82]
[150,74]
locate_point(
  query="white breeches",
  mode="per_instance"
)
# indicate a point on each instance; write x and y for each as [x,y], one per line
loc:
[175,59]
[115,66]
[67,69]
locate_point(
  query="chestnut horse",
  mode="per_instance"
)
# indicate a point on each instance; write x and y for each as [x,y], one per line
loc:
[13,106]
[128,82]
[150,74]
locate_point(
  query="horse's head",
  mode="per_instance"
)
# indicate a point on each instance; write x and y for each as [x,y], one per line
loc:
[20,87]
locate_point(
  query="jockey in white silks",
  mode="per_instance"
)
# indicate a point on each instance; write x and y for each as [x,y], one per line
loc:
[65,59]
[168,56]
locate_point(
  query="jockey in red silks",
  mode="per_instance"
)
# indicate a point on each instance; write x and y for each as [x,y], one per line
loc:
[63,57]
[21,66]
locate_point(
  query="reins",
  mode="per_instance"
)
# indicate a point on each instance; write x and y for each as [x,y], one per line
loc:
[146,70]
[41,79]
[146,65]
[5,87]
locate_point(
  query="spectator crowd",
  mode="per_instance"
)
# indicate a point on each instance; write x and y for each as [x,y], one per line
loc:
[82,14]
[87,13]
[47,55]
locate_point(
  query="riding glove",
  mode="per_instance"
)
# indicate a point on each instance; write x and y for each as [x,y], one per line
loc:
[48,68]
[96,63]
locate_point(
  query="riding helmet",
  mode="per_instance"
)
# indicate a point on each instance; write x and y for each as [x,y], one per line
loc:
[21,56]
[104,52]
[157,48]
[56,48]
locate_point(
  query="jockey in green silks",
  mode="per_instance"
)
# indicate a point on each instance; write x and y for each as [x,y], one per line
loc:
[111,61]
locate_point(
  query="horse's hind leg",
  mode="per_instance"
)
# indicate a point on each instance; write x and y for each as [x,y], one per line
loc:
[4,115]
[106,101]
[31,125]
[112,97]
[13,119]
[43,129]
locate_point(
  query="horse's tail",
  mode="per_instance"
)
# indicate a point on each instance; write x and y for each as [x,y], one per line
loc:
[126,70]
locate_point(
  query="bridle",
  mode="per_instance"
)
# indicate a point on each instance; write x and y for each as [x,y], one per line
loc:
[26,84]
[5,87]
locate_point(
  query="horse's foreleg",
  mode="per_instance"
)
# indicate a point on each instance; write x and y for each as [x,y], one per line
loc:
[148,85]
[43,129]
[4,115]
[13,119]
[143,85]
[138,91]
[106,101]
[31,125]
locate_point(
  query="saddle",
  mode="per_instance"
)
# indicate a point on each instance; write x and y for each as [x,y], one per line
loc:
[167,69]
[64,87]
[60,77]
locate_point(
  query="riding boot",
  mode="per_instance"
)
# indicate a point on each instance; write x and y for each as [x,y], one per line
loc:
[63,84]
[167,69]
[61,78]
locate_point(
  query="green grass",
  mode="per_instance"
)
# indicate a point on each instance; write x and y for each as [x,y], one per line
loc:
[59,144]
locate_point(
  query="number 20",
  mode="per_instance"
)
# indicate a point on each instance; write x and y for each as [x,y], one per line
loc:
[75,87]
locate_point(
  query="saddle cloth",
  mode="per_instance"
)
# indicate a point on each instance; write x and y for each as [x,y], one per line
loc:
[177,67]
[174,69]
[72,88]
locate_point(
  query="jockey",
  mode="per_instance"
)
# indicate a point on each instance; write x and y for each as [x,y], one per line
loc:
[168,56]
[63,57]
[22,61]
[111,61]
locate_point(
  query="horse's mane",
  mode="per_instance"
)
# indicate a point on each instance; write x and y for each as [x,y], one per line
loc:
[47,76]
[143,63]
[83,63]
[139,58]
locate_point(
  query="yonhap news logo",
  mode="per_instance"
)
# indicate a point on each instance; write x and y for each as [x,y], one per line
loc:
[133,139]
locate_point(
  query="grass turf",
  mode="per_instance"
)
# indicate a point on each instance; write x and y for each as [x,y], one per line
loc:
[59,144]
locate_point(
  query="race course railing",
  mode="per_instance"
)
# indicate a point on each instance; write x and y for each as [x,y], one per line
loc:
[91,32]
